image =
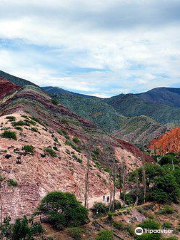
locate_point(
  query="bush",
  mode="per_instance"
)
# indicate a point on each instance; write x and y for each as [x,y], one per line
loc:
[105,235]
[63,133]
[167,225]
[51,152]
[168,159]
[28,149]
[166,210]
[19,128]
[36,229]
[11,118]
[99,208]
[12,183]
[63,210]
[21,123]
[34,129]
[9,135]
[166,189]
[76,140]
[22,230]
[75,233]
[150,224]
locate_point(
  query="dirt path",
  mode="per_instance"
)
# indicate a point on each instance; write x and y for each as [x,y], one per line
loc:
[100,199]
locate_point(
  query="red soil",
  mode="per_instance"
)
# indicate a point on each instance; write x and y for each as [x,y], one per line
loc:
[6,87]
[169,142]
[134,150]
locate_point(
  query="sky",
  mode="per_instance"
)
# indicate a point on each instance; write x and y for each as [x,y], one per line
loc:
[95,47]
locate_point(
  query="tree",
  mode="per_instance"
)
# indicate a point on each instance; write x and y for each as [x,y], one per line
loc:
[63,210]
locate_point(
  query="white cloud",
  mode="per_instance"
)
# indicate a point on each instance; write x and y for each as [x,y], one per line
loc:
[124,53]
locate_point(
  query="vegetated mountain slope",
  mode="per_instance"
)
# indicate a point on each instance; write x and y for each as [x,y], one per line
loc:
[48,150]
[7,87]
[16,80]
[140,130]
[92,108]
[131,105]
[163,96]
[169,142]
[105,116]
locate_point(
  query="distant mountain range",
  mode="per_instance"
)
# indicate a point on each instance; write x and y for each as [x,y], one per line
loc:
[137,118]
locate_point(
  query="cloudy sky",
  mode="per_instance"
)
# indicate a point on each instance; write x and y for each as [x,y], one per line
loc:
[96,47]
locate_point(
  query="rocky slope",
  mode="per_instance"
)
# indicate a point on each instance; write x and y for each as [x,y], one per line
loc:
[7,87]
[169,142]
[62,142]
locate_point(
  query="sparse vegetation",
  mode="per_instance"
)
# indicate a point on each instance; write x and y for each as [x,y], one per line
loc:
[105,235]
[63,133]
[75,233]
[167,210]
[12,183]
[9,135]
[28,149]
[76,140]
[50,151]
[11,118]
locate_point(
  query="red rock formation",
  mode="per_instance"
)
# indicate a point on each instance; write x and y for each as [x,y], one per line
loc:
[6,87]
[169,142]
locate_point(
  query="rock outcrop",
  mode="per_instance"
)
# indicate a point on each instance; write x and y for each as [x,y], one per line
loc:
[169,142]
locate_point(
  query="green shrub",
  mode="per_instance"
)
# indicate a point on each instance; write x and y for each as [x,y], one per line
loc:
[33,129]
[11,118]
[36,229]
[105,235]
[12,183]
[23,230]
[168,159]
[167,210]
[21,123]
[51,152]
[63,210]
[75,233]
[96,151]
[19,128]
[150,224]
[76,140]
[63,133]
[9,135]
[28,149]
[99,208]
[167,225]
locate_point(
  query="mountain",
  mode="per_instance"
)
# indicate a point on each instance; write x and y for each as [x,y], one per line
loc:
[46,147]
[169,142]
[160,104]
[104,114]
[163,96]
[16,80]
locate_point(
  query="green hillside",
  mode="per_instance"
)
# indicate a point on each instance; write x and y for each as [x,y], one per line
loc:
[105,116]
[131,105]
